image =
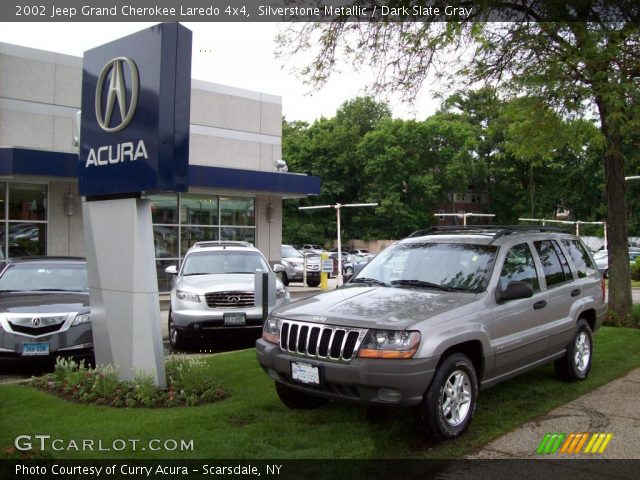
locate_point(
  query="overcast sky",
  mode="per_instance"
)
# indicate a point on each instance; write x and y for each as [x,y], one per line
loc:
[235,54]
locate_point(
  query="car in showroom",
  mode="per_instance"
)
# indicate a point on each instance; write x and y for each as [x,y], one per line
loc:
[44,310]
[437,316]
[294,264]
[213,291]
[601,258]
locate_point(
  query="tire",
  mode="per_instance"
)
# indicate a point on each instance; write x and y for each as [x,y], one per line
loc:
[606,273]
[313,282]
[455,381]
[298,400]
[576,363]
[176,338]
[285,279]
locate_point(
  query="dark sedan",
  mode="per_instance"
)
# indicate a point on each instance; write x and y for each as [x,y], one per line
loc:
[44,309]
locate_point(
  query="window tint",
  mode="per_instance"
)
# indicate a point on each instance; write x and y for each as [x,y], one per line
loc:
[519,267]
[581,259]
[554,265]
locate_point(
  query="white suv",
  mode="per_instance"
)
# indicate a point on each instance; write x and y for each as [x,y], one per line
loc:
[213,290]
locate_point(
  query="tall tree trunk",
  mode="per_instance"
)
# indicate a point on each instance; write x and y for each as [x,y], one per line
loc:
[617,233]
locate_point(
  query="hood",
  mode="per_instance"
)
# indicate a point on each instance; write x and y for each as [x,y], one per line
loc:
[374,307]
[230,282]
[44,302]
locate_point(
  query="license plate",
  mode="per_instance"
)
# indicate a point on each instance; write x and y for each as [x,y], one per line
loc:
[34,349]
[234,319]
[305,373]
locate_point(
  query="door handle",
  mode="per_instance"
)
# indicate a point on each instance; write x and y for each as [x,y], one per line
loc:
[575,293]
[540,304]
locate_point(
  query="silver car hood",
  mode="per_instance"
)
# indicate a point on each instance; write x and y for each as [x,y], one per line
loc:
[374,307]
[229,282]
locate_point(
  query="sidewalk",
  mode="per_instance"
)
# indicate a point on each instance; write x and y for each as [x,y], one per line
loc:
[612,408]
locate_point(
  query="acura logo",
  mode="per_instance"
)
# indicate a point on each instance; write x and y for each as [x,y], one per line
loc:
[36,321]
[233,299]
[117,91]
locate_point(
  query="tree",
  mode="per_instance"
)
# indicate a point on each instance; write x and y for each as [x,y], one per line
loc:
[573,54]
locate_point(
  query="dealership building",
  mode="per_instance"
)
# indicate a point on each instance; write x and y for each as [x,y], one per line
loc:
[236,178]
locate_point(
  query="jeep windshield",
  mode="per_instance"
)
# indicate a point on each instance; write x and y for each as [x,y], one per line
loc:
[440,266]
[223,261]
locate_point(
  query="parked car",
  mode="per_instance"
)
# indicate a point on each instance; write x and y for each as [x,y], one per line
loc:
[214,290]
[601,258]
[310,248]
[347,262]
[362,252]
[436,317]
[293,262]
[44,309]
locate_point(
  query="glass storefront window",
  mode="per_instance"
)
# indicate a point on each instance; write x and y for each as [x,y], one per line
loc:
[181,220]
[193,234]
[27,201]
[165,239]
[23,219]
[237,211]
[164,208]
[198,210]
[238,234]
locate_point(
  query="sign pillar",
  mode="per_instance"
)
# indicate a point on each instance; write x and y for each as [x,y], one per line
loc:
[134,139]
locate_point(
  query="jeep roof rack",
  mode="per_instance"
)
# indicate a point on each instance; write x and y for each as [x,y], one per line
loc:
[222,243]
[496,231]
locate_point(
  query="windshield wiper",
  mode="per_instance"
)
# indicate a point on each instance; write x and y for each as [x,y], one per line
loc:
[53,290]
[195,273]
[238,272]
[374,281]
[421,283]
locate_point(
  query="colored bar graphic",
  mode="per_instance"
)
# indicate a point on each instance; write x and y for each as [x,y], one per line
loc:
[550,443]
[573,443]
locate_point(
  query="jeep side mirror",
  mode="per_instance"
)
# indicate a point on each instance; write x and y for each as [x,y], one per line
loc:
[515,290]
[171,270]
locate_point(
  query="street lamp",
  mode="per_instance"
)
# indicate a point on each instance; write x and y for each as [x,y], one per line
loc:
[338,206]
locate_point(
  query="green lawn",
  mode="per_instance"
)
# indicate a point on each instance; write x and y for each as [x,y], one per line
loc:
[252,423]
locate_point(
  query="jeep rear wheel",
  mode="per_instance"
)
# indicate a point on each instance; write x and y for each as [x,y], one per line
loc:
[298,400]
[450,400]
[576,363]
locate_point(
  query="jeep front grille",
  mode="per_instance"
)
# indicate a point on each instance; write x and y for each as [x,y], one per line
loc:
[229,299]
[315,340]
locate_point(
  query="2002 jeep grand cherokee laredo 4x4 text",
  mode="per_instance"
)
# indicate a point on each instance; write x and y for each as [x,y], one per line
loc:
[437,316]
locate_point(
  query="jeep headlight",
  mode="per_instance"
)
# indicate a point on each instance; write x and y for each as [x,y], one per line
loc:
[188,296]
[389,344]
[271,330]
[80,319]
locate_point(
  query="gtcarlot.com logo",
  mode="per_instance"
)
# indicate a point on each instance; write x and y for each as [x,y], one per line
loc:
[574,443]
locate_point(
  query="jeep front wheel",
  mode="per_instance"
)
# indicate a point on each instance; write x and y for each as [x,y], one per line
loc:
[298,400]
[450,400]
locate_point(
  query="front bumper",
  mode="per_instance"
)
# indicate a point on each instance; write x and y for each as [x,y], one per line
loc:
[365,381]
[75,342]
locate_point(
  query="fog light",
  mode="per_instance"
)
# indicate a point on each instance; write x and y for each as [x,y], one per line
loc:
[196,326]
[389,395]
[273,374]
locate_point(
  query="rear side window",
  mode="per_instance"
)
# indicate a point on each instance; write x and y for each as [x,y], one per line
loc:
[554,265]
[581,258]
[519,267]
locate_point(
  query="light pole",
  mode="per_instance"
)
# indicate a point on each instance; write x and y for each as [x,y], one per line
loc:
[338,207]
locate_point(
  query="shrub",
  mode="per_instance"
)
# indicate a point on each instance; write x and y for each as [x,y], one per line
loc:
[635,269]
[189,383]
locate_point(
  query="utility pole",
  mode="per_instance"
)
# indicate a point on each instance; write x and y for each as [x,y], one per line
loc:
[338,207]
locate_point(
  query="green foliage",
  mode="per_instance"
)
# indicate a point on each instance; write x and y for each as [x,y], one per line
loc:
[189,383]
[529,160]
[635,270]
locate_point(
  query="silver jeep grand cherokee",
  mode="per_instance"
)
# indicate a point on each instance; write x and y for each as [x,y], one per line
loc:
[436,317]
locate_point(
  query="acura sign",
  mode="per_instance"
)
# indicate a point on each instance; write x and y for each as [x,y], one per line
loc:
[135,114]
